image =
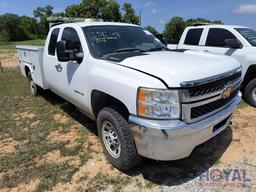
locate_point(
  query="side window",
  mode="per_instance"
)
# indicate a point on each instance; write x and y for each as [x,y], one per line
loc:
[193,36]
[53,42]
[72,39]
[216,37]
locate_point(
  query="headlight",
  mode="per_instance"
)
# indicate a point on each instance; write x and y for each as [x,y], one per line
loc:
[158,103]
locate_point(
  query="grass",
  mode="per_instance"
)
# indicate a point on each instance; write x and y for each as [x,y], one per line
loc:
[18,166]
[11,46]
[18,112]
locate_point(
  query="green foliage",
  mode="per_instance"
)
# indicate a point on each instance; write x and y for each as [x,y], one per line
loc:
[129,15]
[111,11]
[42,13]
[173,29]
[152,30]
[4,36]
[15,28]
[108,10]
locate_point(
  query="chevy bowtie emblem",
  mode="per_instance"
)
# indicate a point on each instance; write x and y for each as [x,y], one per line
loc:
[227,91]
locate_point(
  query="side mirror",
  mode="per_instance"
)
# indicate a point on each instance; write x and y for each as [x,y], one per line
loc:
[233,43]
[62,53]
[65,55]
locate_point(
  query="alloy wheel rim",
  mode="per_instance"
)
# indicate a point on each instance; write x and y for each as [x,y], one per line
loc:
[32,87]
[111,140]
[254,94]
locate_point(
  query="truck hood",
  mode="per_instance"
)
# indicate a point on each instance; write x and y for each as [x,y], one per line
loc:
[175,67]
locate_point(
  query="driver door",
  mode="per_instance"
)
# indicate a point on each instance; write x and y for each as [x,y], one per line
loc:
[71,68]
[216,43]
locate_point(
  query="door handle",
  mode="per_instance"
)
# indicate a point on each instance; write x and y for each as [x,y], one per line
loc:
[207,51]
[58,68]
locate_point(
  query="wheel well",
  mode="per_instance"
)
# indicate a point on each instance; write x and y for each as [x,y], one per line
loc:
[100,100]
[27,70]
[250,75]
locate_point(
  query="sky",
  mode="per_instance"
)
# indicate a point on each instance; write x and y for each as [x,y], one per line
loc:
[158,12]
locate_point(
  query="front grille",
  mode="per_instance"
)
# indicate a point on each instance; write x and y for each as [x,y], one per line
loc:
[212,86]
[202,110]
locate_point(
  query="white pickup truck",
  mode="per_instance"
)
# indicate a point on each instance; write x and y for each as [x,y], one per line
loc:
[147,100]
[236,41]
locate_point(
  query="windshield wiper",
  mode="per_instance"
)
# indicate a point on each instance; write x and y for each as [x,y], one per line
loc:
[121,50]
[157,49]
[128,50]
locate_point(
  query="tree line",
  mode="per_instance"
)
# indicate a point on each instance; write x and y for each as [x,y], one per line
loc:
[176,25]
[20,28]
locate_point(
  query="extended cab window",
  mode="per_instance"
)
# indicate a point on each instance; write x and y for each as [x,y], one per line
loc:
[53,41]
[72,39]
[217,37]
[193,36]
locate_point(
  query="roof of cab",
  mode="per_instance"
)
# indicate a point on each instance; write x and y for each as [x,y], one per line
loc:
[95,23]
[89,23]
[217,25]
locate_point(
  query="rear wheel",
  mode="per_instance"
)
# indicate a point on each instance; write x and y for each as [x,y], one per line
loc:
[117,139]
[250,93]
[34,89]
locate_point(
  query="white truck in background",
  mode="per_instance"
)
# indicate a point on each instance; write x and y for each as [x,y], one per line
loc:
[147,100]
[236,41]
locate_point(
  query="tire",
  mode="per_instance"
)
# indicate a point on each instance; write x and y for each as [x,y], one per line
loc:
[34,89]
[125,154]
[250,93]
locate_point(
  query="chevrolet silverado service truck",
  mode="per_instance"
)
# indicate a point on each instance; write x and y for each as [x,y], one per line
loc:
[236,41]
[147,100]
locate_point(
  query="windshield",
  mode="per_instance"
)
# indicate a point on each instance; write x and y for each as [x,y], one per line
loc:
[106,40]
[248,34]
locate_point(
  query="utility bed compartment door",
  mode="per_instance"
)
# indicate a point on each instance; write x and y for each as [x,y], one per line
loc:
[32,57]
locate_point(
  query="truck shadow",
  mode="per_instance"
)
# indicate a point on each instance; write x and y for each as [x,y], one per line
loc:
[171,173]
[168,173]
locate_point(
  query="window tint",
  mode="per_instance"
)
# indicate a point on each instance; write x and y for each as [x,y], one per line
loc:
[193,36]
[72,39]
[216,37]
[53,41]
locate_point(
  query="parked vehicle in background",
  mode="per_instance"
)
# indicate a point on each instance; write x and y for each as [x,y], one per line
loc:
[236,41]
[147,100]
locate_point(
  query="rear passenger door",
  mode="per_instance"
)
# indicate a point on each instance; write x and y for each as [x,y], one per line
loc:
[54,72]
[192,40]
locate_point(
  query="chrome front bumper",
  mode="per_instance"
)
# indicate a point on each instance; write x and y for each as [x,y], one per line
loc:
[175,139]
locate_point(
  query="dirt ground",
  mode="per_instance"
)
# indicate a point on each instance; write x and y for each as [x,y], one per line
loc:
[9,59]
[46,145]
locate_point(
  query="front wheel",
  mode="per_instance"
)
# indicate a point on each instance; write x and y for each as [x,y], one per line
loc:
[34,89]
[250,93]
[117,139]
